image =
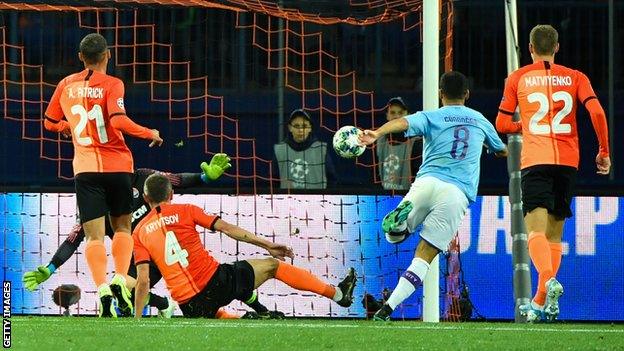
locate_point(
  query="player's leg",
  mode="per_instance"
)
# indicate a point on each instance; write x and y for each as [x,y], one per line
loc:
[165,305]
[243,281]
[554,234]
[399,223]
[119,200]
[553,288]
[564,183]
[91,199]
[228,282]
[223,314]
[125,306]
[122,243]
[301,279]
[538,200]
[448,207]
[254,302]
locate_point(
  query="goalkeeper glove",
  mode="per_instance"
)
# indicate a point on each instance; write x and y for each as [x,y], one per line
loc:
[219,164]
[34,278]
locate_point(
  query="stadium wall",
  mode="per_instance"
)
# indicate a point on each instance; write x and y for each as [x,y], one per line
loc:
[330,233]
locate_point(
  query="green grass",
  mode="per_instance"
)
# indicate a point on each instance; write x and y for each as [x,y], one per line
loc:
[80,333]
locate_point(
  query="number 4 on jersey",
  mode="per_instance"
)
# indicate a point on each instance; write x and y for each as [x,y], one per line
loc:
[174,252]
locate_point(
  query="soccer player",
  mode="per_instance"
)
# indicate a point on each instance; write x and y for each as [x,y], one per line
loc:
[93,104]
[167,236]
[547,96]
[445,184]
[394,151]
[210,172]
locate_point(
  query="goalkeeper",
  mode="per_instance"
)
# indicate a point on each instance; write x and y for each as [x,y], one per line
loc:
[210,172]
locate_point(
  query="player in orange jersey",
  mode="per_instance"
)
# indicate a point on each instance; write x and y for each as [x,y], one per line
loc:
[93,104]
[547,95]
[167,237]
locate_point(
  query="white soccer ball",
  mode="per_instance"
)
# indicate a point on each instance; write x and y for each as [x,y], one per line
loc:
[346,142]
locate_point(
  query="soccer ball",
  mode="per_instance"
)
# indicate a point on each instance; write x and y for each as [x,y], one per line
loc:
[346,142]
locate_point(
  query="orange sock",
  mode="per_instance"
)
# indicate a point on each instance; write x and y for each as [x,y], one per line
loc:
[555,254]
[539,250]
[122,252]
[222,314]
[96,259]
[301,279]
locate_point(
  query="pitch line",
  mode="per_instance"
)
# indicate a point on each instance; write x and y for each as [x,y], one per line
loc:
[227,324]
[185,323]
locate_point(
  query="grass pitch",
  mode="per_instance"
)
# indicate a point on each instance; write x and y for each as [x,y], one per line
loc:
[84,333]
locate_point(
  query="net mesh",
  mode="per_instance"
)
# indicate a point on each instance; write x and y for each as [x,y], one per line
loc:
[295,47]
[325,85]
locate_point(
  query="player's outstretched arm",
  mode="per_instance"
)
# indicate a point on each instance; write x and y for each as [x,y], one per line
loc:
[141,289]
[34,278]
[368,137]
[124,124]
[218,165]
[278,251]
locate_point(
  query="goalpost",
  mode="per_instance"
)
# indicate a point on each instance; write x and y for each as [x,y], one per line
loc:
[520,253]
[431,71]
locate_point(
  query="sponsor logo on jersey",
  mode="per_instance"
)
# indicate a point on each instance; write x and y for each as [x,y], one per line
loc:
[120,103]
[140,212]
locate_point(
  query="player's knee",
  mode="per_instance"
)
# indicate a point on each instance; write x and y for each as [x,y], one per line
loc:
[122,228]
[271,266]
[426,251]
[121,224]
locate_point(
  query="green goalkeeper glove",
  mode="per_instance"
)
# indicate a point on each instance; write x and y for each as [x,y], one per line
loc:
[219,164]
[34,278]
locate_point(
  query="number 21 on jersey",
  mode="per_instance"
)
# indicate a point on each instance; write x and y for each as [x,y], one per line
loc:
[174,252]
[555,127]
[85,117]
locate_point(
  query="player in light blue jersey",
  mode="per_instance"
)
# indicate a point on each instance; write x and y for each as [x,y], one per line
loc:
[454,136]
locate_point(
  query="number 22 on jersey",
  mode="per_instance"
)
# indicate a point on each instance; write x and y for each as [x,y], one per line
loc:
[85,117]
[556,127]
[174,252]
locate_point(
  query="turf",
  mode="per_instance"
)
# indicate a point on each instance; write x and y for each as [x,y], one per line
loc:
[76,333]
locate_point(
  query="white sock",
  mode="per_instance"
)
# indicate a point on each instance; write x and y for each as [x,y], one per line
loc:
[337,295]
[409,281]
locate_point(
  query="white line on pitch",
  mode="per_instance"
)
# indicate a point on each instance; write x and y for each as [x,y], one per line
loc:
[181,323]
[396,325]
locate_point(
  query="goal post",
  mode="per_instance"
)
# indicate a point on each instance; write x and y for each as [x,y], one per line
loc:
[520,251]
[431,72]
